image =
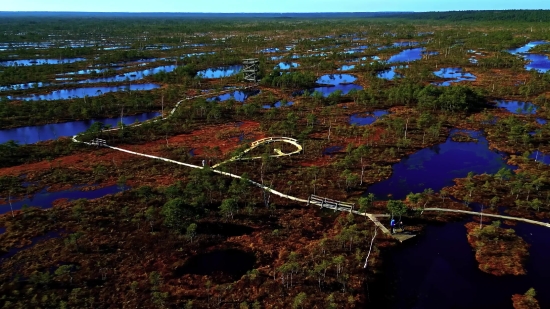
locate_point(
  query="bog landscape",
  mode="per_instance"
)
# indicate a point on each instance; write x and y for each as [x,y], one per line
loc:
[352,160]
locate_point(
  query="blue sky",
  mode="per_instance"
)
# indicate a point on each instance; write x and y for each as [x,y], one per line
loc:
[229,6]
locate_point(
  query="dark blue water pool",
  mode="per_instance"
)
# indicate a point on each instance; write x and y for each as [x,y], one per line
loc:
[438,270]
[436,167]
[346,67]
[345,88]
[88,91]
[527,47]
[412,54]
[240,96]
[29,62]
[34,241]
[220,72]
[45,199]
[33,134]
[454,74]
[538,62]
[540,157]
[130,76]
[335,79]
[389,74]
[518,107]
[366,119]
[331,150]
[287,65]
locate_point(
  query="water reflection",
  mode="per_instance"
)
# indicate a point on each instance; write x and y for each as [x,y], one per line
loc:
[436,167]
[517,107]
[34,134]
[366,119]
[220,72]
[455,74]
[82,92]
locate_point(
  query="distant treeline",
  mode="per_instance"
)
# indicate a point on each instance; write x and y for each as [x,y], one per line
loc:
[506,15]
[192,15]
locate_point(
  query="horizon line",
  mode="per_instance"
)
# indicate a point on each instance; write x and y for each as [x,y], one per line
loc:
[158,12]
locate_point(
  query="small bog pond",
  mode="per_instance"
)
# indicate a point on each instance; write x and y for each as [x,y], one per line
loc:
[346,67]
[435,167]
[411,54]
[335,79]
[517,107]
[527,47]
[455,75]
[540,157]
[34,241]
[232,263]
[390,74]
[287,65]
[331,150]
[439,267]
[238,95]
[45,199]
[220,72]
[34,134]
[87,91]
[345,88]
[538,62]
[29,62]
[364,119]
[130,76]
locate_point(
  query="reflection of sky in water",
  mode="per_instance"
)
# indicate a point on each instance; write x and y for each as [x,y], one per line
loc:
[362,120]
[407,55]
[33,134]
[240,96]
[334,79]
[540,157]
[44,199]
[455,74]
[287,65]
[436,167]
[326,91]
[518,107]
[220,72]
[88,91]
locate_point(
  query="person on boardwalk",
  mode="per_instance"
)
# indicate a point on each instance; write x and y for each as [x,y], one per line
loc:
[203,162]
[401,226]
[392,225]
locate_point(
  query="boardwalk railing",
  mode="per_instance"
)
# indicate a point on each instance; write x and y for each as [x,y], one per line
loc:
[329,203]
[323,202]
[272,140]
[262,141]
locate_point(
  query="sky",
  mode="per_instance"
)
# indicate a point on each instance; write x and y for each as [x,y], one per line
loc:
[264,6]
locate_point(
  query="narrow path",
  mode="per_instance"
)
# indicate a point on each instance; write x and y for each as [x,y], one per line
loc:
[489,215]
[376,222]
[255,144]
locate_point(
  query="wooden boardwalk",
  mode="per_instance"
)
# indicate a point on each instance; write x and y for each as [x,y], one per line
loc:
[490,215]
[313,199]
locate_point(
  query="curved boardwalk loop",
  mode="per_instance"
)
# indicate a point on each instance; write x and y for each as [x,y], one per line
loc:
[323,202]
[262,141]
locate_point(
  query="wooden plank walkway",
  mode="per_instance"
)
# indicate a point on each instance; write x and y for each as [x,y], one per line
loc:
[313,199]
[489,215]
